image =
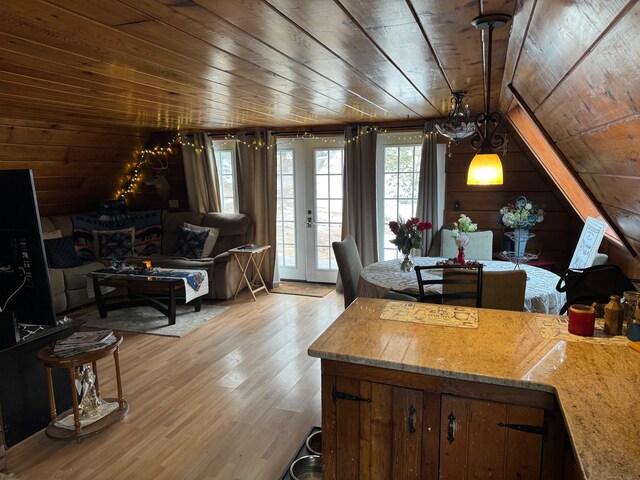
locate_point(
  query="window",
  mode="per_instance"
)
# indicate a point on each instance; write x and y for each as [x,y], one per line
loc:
[286,212]
[225,163]
[398,158]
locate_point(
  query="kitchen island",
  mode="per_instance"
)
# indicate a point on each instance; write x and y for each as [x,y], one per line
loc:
[424,379]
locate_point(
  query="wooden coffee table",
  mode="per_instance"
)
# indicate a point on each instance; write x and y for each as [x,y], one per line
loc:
[161,293]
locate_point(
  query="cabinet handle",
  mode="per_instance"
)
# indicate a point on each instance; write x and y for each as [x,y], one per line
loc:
[412,419]
[451,428]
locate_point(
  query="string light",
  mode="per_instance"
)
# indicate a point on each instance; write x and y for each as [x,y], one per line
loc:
[159,153]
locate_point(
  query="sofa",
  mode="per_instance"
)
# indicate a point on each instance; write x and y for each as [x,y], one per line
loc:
[68,285]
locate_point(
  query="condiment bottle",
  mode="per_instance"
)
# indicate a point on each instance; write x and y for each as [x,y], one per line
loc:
[613,316]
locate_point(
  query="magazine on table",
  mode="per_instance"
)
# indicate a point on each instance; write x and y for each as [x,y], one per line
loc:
[81,342]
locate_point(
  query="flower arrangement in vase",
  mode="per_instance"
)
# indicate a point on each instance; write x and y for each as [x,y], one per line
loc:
[521,215]
[408,236]
[463,226]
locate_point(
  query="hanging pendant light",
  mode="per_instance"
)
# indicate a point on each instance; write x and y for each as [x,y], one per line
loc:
[486,167]
[459,124]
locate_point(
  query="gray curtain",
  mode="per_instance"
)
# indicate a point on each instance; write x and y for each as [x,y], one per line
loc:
[201,174]
[257,191]
[427,208]
[359,191]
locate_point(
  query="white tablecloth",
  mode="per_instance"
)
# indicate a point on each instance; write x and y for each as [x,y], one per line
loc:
[541,295]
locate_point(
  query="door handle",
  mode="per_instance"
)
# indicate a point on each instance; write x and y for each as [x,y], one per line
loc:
[412,419]
[309,219]
[451,428]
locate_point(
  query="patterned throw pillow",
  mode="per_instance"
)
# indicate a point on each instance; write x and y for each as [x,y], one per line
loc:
[113,243]
[211,239]
[190,243]
[61,253]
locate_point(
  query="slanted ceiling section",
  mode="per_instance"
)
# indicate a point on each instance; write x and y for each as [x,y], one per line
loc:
[575,67]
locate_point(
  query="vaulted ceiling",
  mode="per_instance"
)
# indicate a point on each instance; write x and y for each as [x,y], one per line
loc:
[150,65]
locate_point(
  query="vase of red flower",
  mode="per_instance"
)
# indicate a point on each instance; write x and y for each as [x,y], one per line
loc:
[408,236]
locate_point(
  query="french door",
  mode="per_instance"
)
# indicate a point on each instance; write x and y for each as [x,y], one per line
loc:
[309,208]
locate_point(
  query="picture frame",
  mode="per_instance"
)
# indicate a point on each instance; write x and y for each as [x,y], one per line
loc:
[588,244]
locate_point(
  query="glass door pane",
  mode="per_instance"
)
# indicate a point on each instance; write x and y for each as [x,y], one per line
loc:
[290,235]
[327,181]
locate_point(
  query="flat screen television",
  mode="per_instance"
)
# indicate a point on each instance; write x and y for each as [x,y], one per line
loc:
[25,292]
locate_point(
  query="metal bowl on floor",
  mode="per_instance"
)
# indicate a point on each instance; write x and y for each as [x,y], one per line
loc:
[308,467]
[314,443]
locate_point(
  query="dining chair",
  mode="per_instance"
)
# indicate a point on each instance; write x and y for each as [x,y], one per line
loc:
[350,266]
[459,284]
[504,290]
[480,245]
[434,249]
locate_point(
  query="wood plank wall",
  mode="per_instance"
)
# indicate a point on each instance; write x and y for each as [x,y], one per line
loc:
[74,167]
[77,166]
[555,237]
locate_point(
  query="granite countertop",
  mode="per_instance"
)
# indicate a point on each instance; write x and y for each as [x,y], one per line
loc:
[597,384]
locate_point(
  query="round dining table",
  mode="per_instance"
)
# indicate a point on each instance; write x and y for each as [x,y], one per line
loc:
[541,296]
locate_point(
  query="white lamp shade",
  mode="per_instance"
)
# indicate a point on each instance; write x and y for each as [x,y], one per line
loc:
[485,169]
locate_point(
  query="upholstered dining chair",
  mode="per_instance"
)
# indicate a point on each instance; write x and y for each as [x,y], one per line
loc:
[350,266]
[480,245]
[434,249]
[459,284]
[504,290]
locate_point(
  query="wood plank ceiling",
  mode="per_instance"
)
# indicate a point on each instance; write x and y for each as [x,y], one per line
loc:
[131,67]
[185,64]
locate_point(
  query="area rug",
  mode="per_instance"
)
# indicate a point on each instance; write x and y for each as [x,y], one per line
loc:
[149,320]
[302,288]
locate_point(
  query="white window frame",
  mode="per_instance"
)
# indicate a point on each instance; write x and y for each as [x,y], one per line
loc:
[230,146]
[402,139]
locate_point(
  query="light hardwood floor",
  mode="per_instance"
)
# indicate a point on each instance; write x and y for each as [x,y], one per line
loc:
[231,400]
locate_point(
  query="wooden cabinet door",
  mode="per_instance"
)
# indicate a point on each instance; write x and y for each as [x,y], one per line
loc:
[378,430]
[480,439]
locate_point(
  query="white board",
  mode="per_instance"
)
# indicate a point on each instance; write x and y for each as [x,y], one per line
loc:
[588,244]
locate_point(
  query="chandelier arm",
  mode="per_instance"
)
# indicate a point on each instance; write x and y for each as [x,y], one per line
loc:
[477,141]
[495,139]
[479,138]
